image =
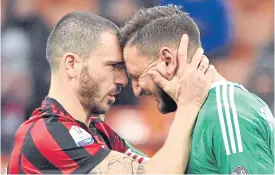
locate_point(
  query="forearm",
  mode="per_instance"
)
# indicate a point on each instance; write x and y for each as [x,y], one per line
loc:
[172,158]
[174,155]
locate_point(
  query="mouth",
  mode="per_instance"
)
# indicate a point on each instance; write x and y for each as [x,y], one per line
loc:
[115,92]
[111,96]
[150,94]
[111,99]
[154,97]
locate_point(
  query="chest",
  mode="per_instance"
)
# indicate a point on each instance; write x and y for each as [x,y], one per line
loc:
[108,139]
[100,138]
[201,158]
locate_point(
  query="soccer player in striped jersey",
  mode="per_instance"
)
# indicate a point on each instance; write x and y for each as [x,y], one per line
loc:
[234,132]
[66,136]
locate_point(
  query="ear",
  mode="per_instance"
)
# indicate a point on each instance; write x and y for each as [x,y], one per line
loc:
[72,64]
[168,62]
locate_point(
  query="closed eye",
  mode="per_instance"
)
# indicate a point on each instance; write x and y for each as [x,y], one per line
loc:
[132,76]
[119,65]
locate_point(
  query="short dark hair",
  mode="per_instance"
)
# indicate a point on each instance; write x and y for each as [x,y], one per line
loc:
[77,32]
[158,26]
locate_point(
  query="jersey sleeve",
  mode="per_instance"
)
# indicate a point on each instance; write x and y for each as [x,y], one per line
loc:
[117,143]
[60,148]
[241,146]
[134,153]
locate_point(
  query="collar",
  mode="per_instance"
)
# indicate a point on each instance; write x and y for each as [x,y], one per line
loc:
[218,83]
[52,106]
[53,103]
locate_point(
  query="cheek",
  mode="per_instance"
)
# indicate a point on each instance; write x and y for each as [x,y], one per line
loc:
[105,79]
[148,84]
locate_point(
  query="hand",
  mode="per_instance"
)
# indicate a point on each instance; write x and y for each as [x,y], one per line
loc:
[192,82]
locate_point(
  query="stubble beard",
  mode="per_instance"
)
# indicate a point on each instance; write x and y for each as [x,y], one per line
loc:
[88,92]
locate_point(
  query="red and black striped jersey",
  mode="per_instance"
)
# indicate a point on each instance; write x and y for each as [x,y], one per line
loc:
[113,141]
[53,142]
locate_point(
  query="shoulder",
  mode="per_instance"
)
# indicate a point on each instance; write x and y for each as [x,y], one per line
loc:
[54,130]
[229,101]
[231,109]
[236,116]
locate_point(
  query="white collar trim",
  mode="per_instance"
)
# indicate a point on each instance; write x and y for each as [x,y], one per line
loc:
[218,83]
[223,82]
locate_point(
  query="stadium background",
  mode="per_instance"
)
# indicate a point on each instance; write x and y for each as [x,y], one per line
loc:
[238,37]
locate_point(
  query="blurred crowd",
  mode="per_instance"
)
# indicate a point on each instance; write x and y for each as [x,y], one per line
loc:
[236,35]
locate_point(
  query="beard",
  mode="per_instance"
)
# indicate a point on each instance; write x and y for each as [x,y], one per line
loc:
[166,103]
[88,92]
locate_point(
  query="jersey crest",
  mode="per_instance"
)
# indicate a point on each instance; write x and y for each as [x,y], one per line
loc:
[80,136]
[239,170]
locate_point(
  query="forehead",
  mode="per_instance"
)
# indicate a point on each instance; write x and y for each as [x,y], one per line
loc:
[109,48]
[135,62]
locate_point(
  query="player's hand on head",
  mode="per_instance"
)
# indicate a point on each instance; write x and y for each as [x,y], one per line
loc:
[195,80]
[171,86]
[192,82]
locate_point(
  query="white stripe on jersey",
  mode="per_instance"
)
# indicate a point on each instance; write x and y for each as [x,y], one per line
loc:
[228,119]
[219,107]
[229,104]
[128,151]
[235,118]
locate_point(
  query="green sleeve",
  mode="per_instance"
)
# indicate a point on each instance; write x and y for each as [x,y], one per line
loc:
[250,154]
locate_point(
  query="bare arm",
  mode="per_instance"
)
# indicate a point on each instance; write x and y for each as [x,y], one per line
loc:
[165,160]
[118,163]
[171,158]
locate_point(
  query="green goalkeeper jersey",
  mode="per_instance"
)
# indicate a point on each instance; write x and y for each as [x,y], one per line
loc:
[234,133]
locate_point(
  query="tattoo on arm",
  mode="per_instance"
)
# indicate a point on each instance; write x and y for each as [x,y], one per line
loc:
[118,163]
[140,169]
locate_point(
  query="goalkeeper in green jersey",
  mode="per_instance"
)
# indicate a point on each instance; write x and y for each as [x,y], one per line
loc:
[234,132]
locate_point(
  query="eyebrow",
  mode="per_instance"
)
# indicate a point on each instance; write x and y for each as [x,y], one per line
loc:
[120,63]
[116,62]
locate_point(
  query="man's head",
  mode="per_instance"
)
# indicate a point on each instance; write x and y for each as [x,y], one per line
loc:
[83,49]
[151,39]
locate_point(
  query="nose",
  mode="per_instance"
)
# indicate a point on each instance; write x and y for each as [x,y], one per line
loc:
[136,88]
[121,79]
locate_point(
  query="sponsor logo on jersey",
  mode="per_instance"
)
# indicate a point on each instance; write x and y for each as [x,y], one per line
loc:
[80,136]
[240,170]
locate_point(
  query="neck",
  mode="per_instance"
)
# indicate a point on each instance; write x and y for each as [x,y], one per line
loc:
[61,91]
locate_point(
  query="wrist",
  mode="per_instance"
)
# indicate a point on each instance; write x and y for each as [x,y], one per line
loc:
[186,115]
[192,107]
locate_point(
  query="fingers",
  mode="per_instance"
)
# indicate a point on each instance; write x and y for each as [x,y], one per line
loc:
[158,78]
[210,73]
[197,58]
[162,71]
[183,47]
[203,64]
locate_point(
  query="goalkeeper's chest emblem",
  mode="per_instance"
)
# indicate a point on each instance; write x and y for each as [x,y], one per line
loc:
[240,170]
[80,136]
